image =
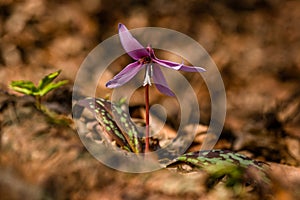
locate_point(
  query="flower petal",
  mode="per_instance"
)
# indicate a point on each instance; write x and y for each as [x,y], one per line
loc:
[168,64]
[191,69]
[174,65]
[160,81]
[177,66]
[164,63]
[132,47]
[125,75]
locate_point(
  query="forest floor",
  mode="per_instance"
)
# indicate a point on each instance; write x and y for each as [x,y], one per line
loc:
[255,45]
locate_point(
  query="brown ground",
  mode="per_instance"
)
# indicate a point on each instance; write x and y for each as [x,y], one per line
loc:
[255,45]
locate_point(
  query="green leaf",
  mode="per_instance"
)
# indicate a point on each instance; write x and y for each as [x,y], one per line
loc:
[47,80]
[115,122]
[236,167]
[25,87]
[219,158]
[130,130]
[51,86]
[121,102]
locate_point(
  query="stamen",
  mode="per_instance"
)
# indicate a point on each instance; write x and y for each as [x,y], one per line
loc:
[148,75]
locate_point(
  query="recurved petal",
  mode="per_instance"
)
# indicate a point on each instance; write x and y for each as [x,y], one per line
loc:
[177,66]
[132,47]
[191,69]
[168,64]
[125,75]
[174,65]
[160,81]
[164,63]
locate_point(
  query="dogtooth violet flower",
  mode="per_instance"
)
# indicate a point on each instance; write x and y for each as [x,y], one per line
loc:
[145,58]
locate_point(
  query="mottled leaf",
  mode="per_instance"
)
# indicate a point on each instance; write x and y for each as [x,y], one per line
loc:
[224,163]
[219,157]
[115,122]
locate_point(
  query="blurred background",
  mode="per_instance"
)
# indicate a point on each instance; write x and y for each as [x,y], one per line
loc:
[254,43]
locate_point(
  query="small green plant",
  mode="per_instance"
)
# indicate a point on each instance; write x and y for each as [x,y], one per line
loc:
[44,86]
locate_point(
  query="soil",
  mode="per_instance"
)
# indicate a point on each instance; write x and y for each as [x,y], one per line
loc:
[255,45]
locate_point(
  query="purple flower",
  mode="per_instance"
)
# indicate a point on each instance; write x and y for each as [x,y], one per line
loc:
[145,58]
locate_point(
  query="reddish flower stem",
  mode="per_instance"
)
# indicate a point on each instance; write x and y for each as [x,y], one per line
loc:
[147,118]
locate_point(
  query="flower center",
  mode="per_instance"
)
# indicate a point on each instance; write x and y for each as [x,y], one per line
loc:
[145,60]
